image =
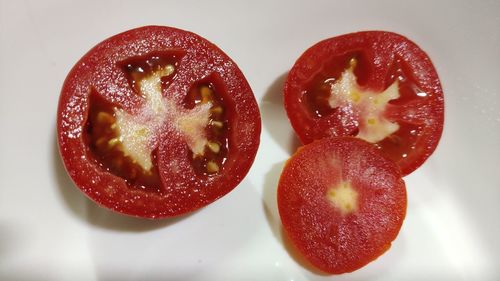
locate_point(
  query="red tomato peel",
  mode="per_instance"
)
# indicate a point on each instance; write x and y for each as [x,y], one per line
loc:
[157,122]
[342,87]
[341,203]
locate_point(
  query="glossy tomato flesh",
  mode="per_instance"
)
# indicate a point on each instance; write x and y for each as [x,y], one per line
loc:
[380,59]
[341,203]
[156,122]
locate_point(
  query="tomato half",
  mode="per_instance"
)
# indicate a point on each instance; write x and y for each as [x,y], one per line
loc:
[378,86]
[156,122]
[341,202]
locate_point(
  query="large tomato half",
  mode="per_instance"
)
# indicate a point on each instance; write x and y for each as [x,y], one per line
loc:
[378,86]
[341,202]
[157,122]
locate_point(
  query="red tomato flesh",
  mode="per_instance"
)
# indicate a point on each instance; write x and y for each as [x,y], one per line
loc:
[341,203]
[319,105]
[147,123]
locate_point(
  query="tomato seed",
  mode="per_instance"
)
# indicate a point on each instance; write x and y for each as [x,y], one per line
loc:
[214,147]
[217,124]
[206,94]
[104,117]
[217,110]
[212,167]
[100,141]
[112,142]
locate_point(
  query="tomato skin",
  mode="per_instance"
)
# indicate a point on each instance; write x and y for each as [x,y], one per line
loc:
[331,241]
[377,53]
[98,70]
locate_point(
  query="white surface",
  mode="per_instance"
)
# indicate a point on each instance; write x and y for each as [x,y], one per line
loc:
[50,231]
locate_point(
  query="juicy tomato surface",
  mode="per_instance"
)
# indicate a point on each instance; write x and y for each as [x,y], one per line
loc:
[341,203]
[375,85]
[156,122]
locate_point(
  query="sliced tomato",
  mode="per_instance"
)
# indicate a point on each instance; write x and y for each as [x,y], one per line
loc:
[156,122]
[378,86]
[341,203]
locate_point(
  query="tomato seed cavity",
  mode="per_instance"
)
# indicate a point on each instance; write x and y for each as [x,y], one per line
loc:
[112,150]
[318,91]
[106,148]
[217,131]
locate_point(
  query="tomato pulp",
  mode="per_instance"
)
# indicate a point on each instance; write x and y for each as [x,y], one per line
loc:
[156,122]
[378,86]
[341,202]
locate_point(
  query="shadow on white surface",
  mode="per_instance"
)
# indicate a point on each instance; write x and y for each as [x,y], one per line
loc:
[86,210]
[276,120]
[269,199]
[9,242]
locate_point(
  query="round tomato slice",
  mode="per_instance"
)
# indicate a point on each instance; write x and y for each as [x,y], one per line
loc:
[341,202]
[156,122]
[378,86]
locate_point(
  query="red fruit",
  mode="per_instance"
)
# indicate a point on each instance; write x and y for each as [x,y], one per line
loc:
[378,86]
[341,203]
[156,122]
